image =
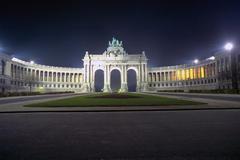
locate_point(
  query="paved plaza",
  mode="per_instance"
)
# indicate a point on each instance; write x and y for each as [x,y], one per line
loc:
[177,135]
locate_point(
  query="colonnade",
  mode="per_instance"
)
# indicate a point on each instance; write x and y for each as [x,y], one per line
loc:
[197,72]
[21,73]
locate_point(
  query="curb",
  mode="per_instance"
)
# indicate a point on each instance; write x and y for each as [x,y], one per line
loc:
[117,110]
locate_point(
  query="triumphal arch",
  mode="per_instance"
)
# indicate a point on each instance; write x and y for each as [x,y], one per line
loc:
[115,57]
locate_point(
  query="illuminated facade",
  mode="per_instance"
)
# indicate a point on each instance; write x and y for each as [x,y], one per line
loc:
[222,71]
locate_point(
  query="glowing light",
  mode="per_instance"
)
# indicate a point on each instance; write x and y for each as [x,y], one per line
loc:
[228,46]
[17,60]
[202,72]
[196,61]
[14,59]
[183,74]
[194,73]
[178,75]
[198,72]
[187,74]
[211,58]
[31,62]
[191,73]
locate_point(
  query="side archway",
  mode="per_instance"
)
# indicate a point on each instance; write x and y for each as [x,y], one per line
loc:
[98,80]
[132,79]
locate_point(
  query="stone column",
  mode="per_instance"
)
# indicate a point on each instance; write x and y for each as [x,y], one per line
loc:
[52,77]
[86,86]
[138,78]
[142,73]
[169,77]
[7,68]
[69,77]
[85,74]
[65,77]
[145,79]
[106,87]
[43,77]
[92,79]
[124,87]
[47,76]
[213,69]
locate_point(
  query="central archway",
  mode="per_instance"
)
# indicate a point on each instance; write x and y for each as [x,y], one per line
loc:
[99,80]
[115,80]
[132,80]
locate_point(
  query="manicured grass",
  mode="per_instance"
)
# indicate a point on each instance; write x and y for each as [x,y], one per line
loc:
[117,99]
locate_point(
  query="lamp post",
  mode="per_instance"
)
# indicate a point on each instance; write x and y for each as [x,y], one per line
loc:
[234,77]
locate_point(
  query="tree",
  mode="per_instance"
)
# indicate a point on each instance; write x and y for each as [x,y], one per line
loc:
[29,80]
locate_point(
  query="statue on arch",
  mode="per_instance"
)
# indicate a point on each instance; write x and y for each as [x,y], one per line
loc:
[115,43]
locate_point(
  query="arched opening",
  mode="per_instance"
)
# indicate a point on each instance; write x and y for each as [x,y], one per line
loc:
[99,80]
[115,80]
[131,80]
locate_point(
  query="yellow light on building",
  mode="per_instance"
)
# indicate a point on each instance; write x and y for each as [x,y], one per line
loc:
[183,74]
[191,73]
[194,73]
[202,72]
[178,75]
[174,76]
[187,74]
[199,72]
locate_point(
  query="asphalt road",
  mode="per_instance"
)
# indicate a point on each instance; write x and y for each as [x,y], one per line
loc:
[7,100]
[201,134]
[205,96]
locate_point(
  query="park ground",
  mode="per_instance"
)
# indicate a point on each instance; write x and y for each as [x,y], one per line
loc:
[211,101]
[114,99]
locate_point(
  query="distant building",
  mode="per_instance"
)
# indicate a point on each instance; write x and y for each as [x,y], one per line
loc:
[221,71]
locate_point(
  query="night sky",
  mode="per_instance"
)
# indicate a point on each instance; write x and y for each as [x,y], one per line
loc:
[58,33]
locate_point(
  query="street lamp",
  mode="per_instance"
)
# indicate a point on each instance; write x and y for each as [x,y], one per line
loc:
[234,78]
[228,46]
[196,61]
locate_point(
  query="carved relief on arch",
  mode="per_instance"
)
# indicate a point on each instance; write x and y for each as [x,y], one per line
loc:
[133,68]
[115,67]
[100,67]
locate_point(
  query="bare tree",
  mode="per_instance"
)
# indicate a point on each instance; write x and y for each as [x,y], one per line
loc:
[29,80]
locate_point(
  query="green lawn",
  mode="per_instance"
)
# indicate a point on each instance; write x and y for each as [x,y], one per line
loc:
[117,99]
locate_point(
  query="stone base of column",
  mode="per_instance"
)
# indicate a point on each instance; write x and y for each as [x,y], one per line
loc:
[86,87]
[138,88]
[124,87]
[107,88]
[92,87]
[144,87]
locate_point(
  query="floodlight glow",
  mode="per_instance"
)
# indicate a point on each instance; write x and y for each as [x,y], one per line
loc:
[14,59]
[196,61]
[211,58]
[228,46]
[31,62]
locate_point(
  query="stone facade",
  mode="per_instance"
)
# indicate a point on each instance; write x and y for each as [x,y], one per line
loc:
[221,71]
